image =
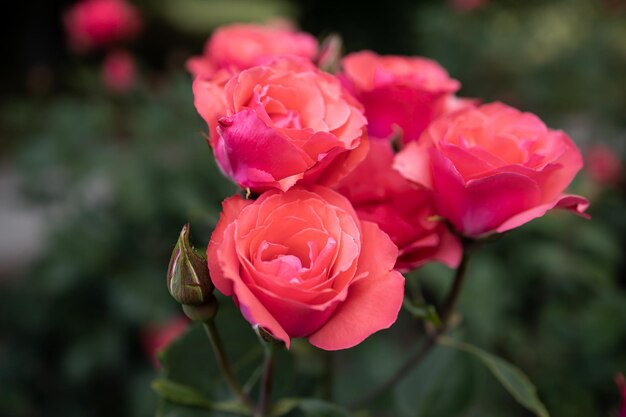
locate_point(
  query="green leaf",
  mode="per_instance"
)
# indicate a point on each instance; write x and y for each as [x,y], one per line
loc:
[185,395]
[422,311]
[309,407]
[319,408]
[513,379]
[443,385]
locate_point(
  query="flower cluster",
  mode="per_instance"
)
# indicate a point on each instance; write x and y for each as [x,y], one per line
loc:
[355,176]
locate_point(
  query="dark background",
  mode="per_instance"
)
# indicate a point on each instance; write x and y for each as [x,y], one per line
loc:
[95,187]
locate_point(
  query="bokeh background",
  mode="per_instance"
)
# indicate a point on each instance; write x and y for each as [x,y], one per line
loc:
[95,186]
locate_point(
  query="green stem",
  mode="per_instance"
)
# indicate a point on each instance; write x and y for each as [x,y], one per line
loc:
[266,383]
[455,291]
[224,364]
[416,357]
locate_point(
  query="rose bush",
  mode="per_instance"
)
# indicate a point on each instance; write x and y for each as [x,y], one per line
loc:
[402,210]
[301,264]
[493,168]
[397,92]
[285,123]
[95,23]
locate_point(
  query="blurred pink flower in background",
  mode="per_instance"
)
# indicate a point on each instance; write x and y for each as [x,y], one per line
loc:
[493,168]
[621,386]
[92,24]
[398,92]
[402,210]
[603,165]
[467,5]
[119,72]
[156,337]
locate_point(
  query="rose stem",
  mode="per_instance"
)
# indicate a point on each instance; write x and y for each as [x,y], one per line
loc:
[455,291]
[224,364]
[416,357]
[266,382]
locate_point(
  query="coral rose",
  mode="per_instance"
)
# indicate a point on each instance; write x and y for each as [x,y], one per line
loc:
[95,23]
[397,92]
[493,168]
[240,46]
[301,264]
[286,123]
[234,48]
[402,210]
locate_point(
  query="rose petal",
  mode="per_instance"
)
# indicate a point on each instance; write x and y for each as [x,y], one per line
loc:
[480,205]
[334,168]
[252,147]
[573,203]
[413,163]
[373,301]
[231,208]
[210,103]
[224,269]
[297,319]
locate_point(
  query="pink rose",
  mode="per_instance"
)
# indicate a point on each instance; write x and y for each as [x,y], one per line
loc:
[301,264]
[234,48]
[240,46]
[118,71]
[402,210]
[493,168]
[603,165]
[286,123]
[95,23]
[397,92]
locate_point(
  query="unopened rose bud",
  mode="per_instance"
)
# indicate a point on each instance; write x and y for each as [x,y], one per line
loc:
[188,279]
[329,57]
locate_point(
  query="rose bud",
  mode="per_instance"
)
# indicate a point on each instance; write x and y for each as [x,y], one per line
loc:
[329,57]
[188,279]
[493,168]
[301,264]
[401,209]
[285,123]
[398,92]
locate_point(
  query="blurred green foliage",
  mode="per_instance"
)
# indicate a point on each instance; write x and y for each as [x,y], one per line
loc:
[116,177]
